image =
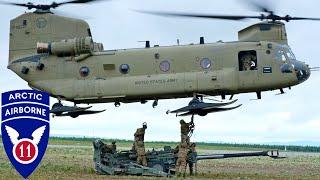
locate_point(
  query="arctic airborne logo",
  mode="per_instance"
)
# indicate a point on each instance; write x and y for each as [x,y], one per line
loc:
[25,128]
[25,151]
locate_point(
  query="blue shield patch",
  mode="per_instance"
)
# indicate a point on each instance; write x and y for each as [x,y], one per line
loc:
[25,128]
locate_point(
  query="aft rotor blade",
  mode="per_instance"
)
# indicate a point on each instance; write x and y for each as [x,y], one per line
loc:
[28,5]
[77,2]
[204,16]
[260,6]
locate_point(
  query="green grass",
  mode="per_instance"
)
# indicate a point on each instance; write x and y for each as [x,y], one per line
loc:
[74,161]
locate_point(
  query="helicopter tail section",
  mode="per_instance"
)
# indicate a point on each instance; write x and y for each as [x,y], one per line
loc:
[42,27]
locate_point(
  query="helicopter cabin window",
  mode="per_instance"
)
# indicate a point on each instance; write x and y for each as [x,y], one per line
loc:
[165,66]
[247,60]
[205,63]
[84,71]
[124,68]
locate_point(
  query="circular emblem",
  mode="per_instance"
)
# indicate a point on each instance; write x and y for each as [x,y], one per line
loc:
[164,66]
[41,23]
[84,71]
[25,151]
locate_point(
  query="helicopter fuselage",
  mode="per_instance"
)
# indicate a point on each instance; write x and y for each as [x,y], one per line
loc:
[132,75]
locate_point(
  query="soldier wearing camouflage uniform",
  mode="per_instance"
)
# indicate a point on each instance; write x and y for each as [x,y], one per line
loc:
[193,161]
[139,145]
[248,62]
[109,148]
[181,164]
[186,128]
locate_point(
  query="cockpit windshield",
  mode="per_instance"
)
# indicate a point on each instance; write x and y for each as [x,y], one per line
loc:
[284,53]
[289,52]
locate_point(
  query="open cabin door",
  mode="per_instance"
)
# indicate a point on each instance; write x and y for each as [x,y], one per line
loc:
[248,69]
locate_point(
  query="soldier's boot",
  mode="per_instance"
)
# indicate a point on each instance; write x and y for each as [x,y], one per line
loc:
[191,169]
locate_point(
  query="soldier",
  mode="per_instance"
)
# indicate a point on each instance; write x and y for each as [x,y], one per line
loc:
[182,159]
[192,159]
[248,62]
[109,148]
[186,128]
[141,153]
[139,134]
[138,145]
[113,147]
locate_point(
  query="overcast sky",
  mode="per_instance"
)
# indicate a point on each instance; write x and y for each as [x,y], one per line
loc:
[292,117]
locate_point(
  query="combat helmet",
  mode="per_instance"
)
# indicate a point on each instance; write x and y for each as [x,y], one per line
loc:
[144,125]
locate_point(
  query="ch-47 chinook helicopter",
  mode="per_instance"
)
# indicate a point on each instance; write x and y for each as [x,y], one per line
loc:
[58,55]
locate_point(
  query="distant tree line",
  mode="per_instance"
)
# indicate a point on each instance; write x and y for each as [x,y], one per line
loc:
[231,145]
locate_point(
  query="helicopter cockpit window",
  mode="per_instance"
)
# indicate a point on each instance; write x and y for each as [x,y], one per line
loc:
[284,53]
[290,54]
[247,60]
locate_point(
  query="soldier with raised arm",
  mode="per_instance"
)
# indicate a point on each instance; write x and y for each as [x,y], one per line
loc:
[186,130]
[138,145]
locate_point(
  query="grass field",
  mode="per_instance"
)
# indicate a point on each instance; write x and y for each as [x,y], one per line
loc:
[72,159]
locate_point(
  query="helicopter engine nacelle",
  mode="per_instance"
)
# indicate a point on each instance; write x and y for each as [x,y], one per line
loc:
[68,47]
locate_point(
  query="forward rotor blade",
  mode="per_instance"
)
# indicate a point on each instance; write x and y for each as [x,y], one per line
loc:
[304,18]
[205,16]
